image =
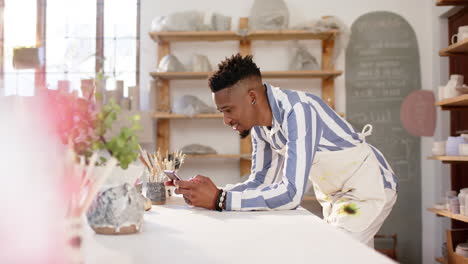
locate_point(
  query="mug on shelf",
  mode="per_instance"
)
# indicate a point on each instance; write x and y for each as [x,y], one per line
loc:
[457,78]
[461,35]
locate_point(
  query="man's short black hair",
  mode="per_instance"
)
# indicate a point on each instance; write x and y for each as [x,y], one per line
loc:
[232,70]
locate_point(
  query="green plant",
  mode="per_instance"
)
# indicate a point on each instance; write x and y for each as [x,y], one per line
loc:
[124,146]
[81,123]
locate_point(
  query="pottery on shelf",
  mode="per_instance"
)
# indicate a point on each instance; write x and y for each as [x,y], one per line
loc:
[197,149]
[463,149]
[438,148]
[452,147]
[451,90]
[191,105]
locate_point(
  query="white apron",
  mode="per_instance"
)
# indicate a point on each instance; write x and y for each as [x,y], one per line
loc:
[349,185]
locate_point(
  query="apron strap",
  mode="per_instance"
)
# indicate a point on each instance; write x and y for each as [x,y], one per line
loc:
[366,131]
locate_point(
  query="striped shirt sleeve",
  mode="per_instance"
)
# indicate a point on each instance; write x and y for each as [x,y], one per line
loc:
[264,164]
[303,131]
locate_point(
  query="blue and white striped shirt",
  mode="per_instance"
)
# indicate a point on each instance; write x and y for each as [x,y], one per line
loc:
[304,124]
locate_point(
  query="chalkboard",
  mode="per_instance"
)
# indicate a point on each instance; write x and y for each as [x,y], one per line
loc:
[382,68]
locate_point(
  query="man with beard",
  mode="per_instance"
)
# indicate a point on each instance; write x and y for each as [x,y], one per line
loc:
[296,136]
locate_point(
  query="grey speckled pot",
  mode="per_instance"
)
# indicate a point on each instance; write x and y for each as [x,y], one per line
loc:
[117,210]
[156,192]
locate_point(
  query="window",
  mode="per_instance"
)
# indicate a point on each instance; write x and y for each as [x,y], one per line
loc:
[120,42]
[73,47]
[19,27]
[70,41]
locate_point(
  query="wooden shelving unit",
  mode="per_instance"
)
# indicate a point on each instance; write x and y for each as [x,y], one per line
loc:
[458,107]
[449,158]
[455,49]
[448,214]
[451,2]
[266,74]
[164,39]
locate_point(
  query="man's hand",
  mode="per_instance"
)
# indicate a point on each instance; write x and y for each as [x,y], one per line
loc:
[199,191]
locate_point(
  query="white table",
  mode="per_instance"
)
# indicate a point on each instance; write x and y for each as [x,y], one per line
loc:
[178,233]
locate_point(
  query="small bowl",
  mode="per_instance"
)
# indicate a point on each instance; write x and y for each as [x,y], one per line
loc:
[439,144]
[438,152]
[463,149]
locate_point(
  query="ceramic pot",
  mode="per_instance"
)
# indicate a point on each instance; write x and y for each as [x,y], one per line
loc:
[117,210]
[438,148]
[156,192]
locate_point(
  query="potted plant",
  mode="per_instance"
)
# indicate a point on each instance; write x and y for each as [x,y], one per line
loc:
[86,127]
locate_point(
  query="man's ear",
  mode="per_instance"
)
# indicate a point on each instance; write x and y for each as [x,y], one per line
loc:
[252,96]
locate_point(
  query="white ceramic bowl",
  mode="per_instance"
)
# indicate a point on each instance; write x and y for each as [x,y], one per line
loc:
[438,152]
[463,149]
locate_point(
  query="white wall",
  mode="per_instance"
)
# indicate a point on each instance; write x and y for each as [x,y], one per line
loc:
[419,13]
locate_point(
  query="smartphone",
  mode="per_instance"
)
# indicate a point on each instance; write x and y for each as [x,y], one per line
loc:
[172,175]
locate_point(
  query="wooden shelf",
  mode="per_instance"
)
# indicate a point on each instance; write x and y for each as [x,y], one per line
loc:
[165,115]
[449,158]
[301,74]
[181,75]
[456,102]
[219,156]
[448,214]
[455,49]
[234,36]
[175,36]
[441,260]
[451,2]
[290,35]
[266,74]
